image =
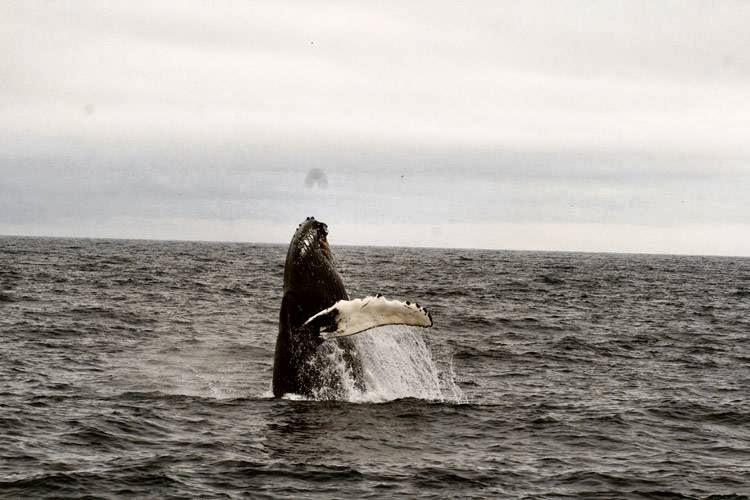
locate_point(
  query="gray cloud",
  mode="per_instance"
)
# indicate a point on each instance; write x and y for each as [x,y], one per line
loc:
[371,186]
[417,113]
[548,74]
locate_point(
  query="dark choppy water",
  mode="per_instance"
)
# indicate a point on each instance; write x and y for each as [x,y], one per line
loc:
[132,368]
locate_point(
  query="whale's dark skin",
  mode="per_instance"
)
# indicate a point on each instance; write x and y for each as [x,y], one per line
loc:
[311,284]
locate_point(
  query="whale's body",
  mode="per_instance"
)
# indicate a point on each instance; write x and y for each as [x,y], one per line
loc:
[315,307]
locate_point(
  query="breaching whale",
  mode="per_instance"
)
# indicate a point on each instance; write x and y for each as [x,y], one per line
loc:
[316,310]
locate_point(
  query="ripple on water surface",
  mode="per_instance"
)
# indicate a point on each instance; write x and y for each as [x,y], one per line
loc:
[139,369]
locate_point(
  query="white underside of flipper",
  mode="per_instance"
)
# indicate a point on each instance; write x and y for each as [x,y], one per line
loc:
[347,317]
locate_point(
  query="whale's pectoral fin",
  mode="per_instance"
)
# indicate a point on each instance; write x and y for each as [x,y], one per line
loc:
[347,317]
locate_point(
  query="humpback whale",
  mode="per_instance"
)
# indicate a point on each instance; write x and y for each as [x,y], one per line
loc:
[316,316]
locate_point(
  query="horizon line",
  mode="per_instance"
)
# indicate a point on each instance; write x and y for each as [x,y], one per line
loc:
[425,247]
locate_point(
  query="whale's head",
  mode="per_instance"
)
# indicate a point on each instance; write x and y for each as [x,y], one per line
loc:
[309,255]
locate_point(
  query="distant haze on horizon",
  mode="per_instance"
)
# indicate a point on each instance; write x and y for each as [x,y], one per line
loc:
[584,126]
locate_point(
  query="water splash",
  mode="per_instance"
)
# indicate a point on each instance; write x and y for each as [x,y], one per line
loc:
[398,363]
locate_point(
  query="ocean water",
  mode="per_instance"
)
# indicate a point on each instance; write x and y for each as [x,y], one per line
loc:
[143,369]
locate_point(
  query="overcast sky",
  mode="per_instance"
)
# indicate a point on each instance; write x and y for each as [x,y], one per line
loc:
[600,126]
